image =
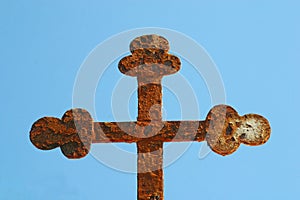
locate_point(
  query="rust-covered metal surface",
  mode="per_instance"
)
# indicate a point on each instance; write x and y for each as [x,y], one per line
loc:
[223,129]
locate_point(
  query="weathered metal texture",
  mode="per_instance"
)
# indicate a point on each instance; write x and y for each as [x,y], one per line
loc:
[49,132]
[150,169]
[149,62]
[74,139]
[226,130]
[223,129]
[171,131]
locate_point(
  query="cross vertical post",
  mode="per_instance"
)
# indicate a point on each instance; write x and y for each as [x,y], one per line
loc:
[149,62]
[223,129]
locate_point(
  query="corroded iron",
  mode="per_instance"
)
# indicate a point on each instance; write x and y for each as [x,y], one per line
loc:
[223,129]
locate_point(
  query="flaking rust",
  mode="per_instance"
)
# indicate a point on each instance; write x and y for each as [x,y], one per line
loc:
[223,129]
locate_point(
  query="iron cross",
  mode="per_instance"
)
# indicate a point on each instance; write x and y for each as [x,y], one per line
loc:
[223,129]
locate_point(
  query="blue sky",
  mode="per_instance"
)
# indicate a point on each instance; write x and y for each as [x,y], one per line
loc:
[255,45]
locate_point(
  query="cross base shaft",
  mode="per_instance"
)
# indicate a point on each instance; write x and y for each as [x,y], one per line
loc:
[150,170]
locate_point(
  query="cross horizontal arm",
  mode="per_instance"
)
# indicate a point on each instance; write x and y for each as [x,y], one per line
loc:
[171,131]
[223,129]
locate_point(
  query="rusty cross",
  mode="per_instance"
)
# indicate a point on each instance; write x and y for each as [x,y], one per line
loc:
[223,129]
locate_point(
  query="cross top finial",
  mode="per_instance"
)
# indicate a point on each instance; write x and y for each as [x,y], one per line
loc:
[150,58]
[150,42]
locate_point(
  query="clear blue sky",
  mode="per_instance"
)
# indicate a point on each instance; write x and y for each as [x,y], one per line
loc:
[254,43]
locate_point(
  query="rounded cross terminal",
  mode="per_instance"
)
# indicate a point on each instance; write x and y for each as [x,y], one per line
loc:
[72,133]
[150,58]
[155,42]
